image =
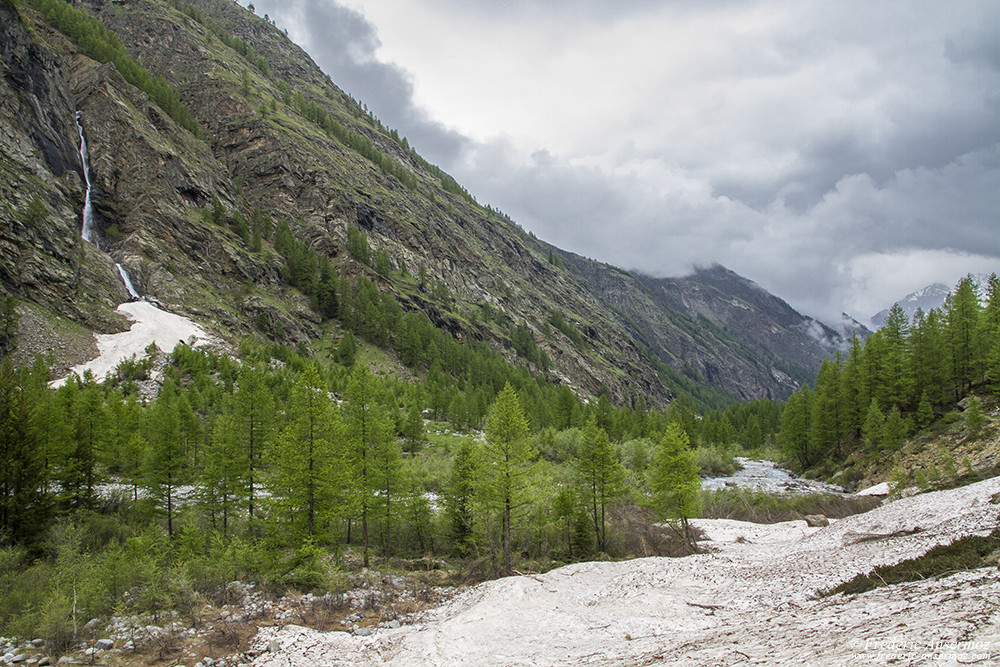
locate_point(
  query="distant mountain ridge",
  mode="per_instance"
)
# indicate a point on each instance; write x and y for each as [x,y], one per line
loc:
[931,296]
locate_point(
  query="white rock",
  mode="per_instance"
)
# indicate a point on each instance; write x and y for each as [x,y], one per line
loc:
[881,489]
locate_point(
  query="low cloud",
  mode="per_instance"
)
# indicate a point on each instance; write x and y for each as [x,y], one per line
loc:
[834,153]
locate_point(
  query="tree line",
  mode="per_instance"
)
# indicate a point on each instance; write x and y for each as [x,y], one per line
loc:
[867,401]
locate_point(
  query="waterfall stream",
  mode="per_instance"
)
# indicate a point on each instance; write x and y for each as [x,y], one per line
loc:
[150,324]
[88,231]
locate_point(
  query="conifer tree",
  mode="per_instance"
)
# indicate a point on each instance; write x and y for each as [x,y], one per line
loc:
[962,316]
[226,467]
[166,467]
[674,480]
[506,455]
[460,498]
[873,429]
[253,415]
[989,332]
[925,413]
[824,420]
[369,433]
[794,436]
[307,478]
[22,473]
[895,379]
[601,475]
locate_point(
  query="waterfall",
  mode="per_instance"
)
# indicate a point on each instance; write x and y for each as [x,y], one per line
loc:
[87,232]
[128,282]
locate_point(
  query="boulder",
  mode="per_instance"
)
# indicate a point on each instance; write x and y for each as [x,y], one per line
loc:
[816,520]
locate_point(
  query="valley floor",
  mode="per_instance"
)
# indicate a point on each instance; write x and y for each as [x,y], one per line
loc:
[752,599]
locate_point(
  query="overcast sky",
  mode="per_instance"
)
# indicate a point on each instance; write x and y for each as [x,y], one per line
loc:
[841,154]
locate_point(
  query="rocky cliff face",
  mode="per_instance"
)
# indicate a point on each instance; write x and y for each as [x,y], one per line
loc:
[268,142]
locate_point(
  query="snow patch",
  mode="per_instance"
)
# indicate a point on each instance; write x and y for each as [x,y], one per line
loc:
[748,601]
[151,325]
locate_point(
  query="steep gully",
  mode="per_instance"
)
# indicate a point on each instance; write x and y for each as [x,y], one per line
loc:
[151,324]
[88,231]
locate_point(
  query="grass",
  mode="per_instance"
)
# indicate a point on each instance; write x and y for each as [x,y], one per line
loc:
[760,507]
[966,553]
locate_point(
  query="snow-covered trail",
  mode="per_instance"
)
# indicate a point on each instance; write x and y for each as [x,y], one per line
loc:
[750,601]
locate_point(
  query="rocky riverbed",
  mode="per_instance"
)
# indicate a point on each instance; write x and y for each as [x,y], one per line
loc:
[769,477]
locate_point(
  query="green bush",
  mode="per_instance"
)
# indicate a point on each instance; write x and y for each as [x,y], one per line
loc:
[716,461]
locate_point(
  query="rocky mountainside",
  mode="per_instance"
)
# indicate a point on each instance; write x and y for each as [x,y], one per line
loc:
[190,210]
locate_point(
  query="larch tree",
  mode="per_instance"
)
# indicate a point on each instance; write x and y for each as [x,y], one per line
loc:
[601,476]
[507,454]
[22,469]
[794,434]
[369,434]
[226,467]
[166,466]
[307,478]
[460,498]
[253,415]
[674,480]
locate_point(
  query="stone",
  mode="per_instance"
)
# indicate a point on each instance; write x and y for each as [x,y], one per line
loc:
[273,646]
[91,624]
[105,644]
[816,520]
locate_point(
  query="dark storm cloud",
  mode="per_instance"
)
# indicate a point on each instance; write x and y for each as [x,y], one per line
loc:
[831,151]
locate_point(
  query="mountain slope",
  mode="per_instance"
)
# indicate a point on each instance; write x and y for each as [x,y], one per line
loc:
[193,217]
